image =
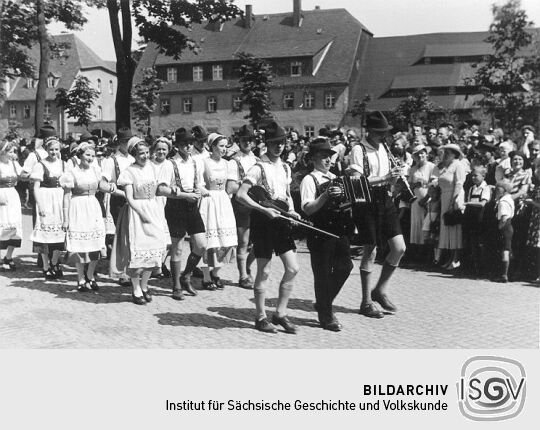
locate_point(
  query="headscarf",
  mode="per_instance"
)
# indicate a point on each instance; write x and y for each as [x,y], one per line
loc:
[133,142]
[213,138]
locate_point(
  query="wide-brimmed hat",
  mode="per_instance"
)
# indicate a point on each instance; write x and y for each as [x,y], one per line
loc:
[199,132]
[454,147]
[417,148]
[274,133]
[182,136]
[320,144]
[86,136]
[246,132]
[376,121]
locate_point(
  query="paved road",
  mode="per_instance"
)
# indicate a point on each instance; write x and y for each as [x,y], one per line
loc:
[436,311]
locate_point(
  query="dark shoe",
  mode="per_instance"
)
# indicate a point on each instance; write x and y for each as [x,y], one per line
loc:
[285,323]
[382,299]
[217,282]
[82,287]
[58,270]
[197,273]
[331,324]
[501,279]
[147,296]
[9,264]
[245,283]
[371,311]
[49,274]
[93,284]
[264,326]
[165,273]
[177,294]
[125,282]
[185,283]
[138,300]
[210,286]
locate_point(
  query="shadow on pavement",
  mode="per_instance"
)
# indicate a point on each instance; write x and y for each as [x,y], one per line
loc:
[199,320]
[248,314]
[307,306]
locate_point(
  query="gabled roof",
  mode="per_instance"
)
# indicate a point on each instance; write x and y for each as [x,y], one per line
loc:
[76,56]
[274,36]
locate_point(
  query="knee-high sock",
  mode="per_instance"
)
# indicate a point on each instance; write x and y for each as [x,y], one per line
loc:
[191,263]
[386,274]
[365,278]
[176,270]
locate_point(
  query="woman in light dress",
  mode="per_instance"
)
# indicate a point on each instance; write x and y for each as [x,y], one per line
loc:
[140,237]
[217,214]
[83,220]
[48,235]
[450,174]
[10,203]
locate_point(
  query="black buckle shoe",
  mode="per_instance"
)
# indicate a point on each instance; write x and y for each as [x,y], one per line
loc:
[264,326]
[138,300]
[331,324]
[371,311]
[285,323]
[147,295]
[382,299]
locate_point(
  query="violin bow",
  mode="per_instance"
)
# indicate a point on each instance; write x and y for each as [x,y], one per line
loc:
[291,219]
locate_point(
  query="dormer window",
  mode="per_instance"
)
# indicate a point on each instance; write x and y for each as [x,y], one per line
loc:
[171,74]
[427,60]
[197,73]
[217,72]
[296,68]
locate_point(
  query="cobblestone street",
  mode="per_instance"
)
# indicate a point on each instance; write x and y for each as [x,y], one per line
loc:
[435,311]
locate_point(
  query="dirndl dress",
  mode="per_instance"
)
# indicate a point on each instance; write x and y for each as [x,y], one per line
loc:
[85,237]
[10,206]
[218,216]
[48,234]
[137,244]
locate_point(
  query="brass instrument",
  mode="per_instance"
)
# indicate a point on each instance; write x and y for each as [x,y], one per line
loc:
[406,193]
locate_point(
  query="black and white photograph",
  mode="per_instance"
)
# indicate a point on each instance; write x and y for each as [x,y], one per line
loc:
[290,174]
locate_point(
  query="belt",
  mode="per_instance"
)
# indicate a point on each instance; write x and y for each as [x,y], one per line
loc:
[88,193]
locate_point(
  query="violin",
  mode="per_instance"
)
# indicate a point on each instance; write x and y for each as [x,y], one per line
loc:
[262,196]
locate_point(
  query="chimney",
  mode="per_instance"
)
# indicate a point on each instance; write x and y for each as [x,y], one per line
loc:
[248,17]
[297,13]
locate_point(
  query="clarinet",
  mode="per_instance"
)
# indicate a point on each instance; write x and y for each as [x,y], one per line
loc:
[406,193]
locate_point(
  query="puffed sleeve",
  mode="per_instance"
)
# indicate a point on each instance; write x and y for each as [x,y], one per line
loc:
[107,169]
[29,163]
[232,171]
[67,180]
[254,175]
[125,178]
[166,174]
[37,172]
[460,174]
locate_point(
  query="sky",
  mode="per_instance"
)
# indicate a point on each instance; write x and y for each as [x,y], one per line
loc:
[381,17]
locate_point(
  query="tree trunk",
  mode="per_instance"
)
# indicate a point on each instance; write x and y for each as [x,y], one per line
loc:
[44,58]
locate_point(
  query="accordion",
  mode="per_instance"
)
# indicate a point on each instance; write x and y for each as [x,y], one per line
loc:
[354,190]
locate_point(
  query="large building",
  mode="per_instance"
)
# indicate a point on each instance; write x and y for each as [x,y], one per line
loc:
[315,55]
[74,59]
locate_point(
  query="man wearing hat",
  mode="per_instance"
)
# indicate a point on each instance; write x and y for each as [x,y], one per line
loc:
[379,220]
[330,257]
[181,181]
[111,167]
[198,150]
[239,165]
[269,233]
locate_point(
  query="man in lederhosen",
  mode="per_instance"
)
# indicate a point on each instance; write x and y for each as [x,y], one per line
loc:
[269,233]
[181,181]
[330,257]
[239,165]
[379,220]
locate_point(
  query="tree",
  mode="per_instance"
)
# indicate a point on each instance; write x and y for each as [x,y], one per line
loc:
[144,98]
[256,80]
[414,108]
[78,101]
[160,22]
[507,79]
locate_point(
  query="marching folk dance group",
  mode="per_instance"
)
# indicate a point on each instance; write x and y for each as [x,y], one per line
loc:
[138,206]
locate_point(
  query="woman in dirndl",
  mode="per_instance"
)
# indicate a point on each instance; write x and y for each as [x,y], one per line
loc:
[83,220]
[160,150]
[217,213]
[48,235]
[140,237]
[10,203]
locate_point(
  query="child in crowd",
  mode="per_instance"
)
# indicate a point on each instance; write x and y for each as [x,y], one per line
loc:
[505,212]
[473,232]
[431,224]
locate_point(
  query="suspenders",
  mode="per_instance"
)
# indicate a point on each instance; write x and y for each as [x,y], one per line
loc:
[177,175]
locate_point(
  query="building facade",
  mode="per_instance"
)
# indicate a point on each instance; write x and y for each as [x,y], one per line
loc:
[73,60]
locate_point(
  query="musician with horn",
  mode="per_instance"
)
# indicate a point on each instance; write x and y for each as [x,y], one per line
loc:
[378,220]
[330,256]
[269,232]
